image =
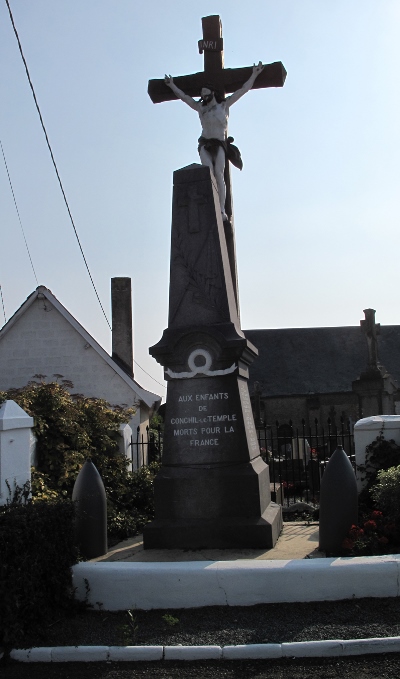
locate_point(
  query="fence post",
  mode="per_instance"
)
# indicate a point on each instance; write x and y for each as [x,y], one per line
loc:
[15,448]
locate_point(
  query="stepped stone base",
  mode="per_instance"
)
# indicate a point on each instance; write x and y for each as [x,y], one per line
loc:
[223,533]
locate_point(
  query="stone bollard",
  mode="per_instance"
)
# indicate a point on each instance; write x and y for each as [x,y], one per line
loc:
[15,449]
[91,512]
[338,503]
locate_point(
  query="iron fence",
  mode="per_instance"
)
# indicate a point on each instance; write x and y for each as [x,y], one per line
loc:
[146,448]
[297,456]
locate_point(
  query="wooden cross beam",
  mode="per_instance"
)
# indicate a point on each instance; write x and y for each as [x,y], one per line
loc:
[226,80]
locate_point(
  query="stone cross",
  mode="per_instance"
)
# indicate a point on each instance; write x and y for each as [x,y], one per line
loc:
[371,330]
[226,80]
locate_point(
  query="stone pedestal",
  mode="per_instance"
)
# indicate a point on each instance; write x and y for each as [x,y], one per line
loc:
[375,389]
[213,490]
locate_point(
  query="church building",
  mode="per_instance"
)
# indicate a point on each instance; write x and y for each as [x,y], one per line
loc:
[320,373]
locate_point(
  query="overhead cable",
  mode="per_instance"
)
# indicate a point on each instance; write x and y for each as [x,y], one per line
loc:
[60,182]
[2,301]
[19,218]
[152,378]
[54,162]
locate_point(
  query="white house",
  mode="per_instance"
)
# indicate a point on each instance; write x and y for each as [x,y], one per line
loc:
[42,337]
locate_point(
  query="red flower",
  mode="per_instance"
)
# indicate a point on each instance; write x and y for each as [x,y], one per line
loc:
[347,544]
[383,540]
[376,515]
[370,525]
[355,532]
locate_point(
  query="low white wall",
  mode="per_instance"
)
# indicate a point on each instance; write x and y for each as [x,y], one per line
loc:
[366,431]
[15,448]
[126,585]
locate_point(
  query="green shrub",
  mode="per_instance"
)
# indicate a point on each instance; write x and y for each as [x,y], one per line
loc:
[71,428]
[37,551]
[386,492]
[380,454]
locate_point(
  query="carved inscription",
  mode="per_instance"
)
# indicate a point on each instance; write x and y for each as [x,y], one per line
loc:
[209,421]
[216,45]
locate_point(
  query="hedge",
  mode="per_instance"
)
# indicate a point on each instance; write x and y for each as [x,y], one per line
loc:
[36,554]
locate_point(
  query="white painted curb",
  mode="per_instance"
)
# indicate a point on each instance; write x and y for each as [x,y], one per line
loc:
[192,652]
[313,649]
[252,652]
[79,653]
[296,649]
[122,585]
[134,653]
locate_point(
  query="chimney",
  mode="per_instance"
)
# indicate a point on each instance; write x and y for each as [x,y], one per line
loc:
[121,311]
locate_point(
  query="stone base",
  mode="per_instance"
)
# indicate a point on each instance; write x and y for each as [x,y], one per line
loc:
[222,533]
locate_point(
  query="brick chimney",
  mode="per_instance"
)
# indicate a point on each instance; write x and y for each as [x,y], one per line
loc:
[121,311]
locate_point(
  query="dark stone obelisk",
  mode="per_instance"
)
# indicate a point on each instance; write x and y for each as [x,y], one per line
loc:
[213,489]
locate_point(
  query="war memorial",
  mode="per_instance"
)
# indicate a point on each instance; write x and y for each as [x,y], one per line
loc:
[213,489]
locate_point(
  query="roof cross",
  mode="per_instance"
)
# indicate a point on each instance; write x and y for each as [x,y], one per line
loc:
[371,330]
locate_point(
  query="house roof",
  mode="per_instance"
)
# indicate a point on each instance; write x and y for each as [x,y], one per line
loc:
[317,360]
[147,397]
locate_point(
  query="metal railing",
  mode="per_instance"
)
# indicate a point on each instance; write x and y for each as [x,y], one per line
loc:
[146,448]
[297,456]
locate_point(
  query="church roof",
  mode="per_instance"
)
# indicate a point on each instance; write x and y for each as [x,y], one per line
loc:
[42,292]
[317,360]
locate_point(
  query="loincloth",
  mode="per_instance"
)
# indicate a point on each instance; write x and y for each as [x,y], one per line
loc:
[231,151]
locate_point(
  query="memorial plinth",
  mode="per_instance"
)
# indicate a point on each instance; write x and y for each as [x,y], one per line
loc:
[213,489]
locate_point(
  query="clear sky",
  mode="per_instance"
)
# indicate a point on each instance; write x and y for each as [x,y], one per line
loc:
[317,205]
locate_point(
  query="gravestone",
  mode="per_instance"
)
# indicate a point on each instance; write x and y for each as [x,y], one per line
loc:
[213,489]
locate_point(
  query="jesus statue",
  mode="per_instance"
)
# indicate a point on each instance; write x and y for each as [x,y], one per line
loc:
[214,144]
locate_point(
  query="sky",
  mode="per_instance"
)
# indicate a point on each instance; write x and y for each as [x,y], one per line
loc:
[316,206]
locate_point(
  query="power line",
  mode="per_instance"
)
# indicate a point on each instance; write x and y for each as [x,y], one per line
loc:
[148,374]
[19,218]
[54,162]
[60,183]
[2,301]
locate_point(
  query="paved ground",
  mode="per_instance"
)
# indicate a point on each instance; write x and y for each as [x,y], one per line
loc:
[297,541]
[365,667]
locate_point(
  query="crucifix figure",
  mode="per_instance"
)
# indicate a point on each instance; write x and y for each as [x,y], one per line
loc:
[214,144]
[212,85]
